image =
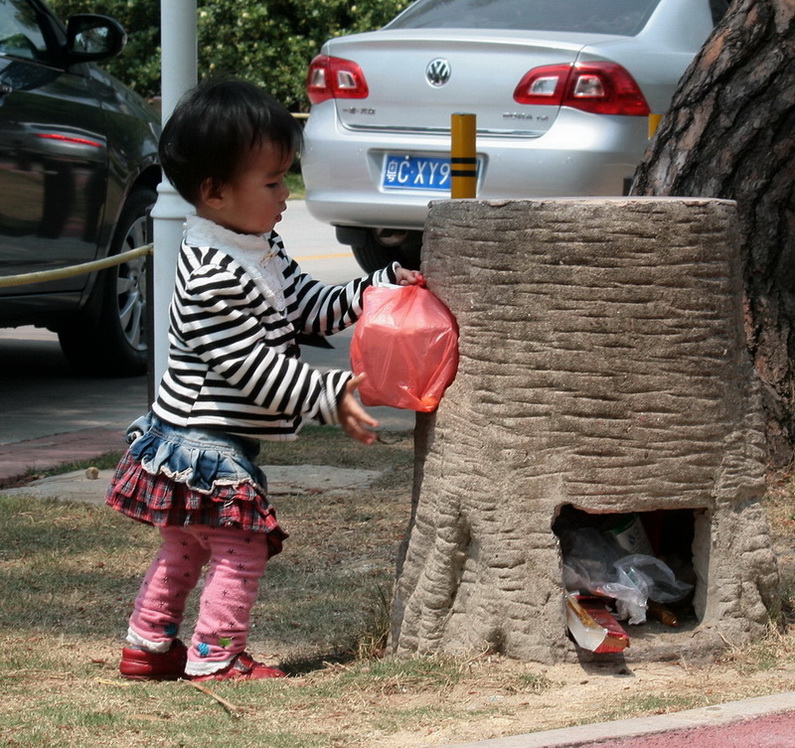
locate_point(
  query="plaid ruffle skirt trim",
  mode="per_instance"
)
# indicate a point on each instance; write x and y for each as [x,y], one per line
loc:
[161,501]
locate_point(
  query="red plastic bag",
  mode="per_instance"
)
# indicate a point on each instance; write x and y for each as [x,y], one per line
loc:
[407,342]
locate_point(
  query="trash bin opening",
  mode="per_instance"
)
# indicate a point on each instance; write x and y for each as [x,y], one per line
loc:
[626,575]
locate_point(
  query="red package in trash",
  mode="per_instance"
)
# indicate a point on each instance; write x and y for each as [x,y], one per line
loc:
[593,626]
[406,341]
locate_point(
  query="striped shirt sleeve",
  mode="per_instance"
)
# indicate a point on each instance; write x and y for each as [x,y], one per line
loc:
[226,325]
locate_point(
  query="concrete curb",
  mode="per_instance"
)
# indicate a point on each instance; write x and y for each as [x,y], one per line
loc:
[89,486]
[720,715]
[49,452]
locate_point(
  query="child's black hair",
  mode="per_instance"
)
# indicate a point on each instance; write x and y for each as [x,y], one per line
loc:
[214,128]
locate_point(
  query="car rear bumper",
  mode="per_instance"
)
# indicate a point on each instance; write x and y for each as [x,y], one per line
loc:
[582,154]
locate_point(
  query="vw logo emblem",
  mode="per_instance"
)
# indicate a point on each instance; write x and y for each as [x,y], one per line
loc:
[438,72]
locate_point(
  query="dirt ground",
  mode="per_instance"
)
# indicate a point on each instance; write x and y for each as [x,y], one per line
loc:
[573,696]
[498,697]
[486,703]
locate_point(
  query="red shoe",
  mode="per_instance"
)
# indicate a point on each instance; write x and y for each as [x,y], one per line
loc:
[138,664]
[243,667]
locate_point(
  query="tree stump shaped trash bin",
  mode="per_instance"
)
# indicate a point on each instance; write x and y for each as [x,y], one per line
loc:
[602,370]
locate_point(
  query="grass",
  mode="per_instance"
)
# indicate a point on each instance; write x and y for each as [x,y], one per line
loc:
[295,183]
[69,573]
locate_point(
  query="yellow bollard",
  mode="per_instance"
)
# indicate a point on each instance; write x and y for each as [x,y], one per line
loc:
[463,159]
[654,123]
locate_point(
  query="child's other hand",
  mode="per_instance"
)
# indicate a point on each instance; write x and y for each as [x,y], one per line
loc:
[354,419]
[406,277]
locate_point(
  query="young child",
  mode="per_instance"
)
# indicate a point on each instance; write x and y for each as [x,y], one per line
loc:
[234,377]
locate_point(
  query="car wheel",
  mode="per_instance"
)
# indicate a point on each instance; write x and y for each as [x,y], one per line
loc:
[375,249]
[109,338]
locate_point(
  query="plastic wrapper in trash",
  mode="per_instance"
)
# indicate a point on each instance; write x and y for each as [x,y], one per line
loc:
[594,563]
[662,585]
[589,566]
[631,596]
[588,558]
[406,341]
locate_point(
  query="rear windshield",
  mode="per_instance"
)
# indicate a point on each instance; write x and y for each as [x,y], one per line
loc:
[622,17]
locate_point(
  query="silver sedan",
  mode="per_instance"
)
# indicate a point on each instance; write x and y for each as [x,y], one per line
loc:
[562,92]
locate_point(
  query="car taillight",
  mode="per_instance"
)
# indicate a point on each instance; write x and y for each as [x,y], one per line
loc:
[68,139]
[597,87]
[335,78]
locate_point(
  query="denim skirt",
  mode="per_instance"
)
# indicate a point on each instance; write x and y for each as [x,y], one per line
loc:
[172,476]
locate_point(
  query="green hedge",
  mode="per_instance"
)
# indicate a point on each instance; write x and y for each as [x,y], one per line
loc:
[269,42]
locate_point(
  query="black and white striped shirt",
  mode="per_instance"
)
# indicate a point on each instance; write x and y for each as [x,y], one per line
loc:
[233,360]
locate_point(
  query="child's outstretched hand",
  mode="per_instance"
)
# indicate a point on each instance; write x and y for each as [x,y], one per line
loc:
[354,419]
[409,277]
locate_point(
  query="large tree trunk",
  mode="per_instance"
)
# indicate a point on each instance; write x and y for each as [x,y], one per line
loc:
[729,134]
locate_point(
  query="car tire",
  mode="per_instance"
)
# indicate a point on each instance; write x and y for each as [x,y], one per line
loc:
[109,338]
[373,253]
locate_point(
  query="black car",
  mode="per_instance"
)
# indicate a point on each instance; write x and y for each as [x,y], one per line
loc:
[78,177]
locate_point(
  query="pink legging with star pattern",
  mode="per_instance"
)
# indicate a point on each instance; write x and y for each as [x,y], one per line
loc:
[237,561]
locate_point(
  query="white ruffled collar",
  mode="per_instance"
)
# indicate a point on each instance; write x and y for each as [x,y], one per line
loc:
[253,252]
[201,232]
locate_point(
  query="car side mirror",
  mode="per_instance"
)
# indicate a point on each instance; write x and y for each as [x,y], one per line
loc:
[91,37]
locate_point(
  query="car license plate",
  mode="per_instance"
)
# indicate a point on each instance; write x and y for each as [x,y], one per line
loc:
[405,172]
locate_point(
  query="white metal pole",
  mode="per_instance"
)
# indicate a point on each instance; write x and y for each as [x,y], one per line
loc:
[178,74]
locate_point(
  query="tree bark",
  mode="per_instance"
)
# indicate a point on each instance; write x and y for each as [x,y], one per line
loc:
[729,134]
[598,372]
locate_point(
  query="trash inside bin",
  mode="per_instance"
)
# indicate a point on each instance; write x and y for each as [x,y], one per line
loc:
[616,584]
[593,626]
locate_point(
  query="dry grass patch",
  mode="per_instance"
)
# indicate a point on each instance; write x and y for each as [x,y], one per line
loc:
[69,572]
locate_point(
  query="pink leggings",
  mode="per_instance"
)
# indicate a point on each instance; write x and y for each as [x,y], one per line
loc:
[237,561]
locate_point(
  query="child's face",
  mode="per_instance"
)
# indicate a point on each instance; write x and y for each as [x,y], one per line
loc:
[252,202]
